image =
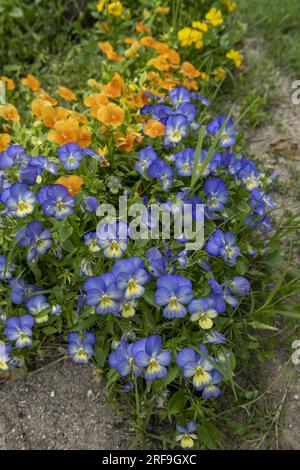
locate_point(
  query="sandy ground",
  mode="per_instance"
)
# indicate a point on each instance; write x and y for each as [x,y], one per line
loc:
[61,407]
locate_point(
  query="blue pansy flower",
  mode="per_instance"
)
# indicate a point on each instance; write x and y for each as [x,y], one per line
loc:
[20,291]
[249,175]
[227,291]
[45,164]
[216,194]
[180,95]
[227,138]
[223,244]
[123,358]
[211,390]
[187,435]
[214,337]
[14,155]
[102,293]
[161,112]
[184,161]
[196,96]
[6,269]
[188,110]
[38,240]
[81,347]
[176,129]
[113,239]
[36,304]
[70,155]
[18,200]
[56,201]
[91,203]
[153,359]
[28,174]
[158,264]
[5,358]
[174,292]
[160,170]
[204,311]
[146,156]
[131,276]
[19,330]
[239,285]
[195,366]
[91,240]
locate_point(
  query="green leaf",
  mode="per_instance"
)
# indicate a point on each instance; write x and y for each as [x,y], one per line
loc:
[177,402]
[173,373]
[49,330]
[65,231]
[111,377]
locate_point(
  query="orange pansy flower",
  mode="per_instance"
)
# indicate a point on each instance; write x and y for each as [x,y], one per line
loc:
[124,143]
[51,115]
[132,50]
[161,47]
[9,112]
[73,183]
[46,97]
[68,130]
[108,50]
[31,82]
[130,41]
[160,63]
[110,114]
[10,84]
[154,128]
[142,28]
[115,87]
[190,84]
[66,93]
[148,41]
[94,101]
[84,137]
[4,141]
[189,70]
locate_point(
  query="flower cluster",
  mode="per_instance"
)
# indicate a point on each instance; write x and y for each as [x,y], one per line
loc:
[156,316]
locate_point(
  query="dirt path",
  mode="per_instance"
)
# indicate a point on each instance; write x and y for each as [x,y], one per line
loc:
[61,407]
[277,145]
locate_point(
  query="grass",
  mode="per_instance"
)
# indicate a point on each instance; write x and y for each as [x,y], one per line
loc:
[277,22]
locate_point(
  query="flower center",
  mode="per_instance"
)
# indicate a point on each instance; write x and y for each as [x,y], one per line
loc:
[153,365]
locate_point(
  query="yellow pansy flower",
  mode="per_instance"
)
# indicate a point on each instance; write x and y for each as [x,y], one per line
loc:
[219,74]
[214,17]
[231,6]
[100,5]
[200,25]
[115,8]
[235,56]
[188,36]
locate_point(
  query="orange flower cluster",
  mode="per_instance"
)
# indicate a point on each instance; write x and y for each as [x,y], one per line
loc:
[66,125]
[109,113]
